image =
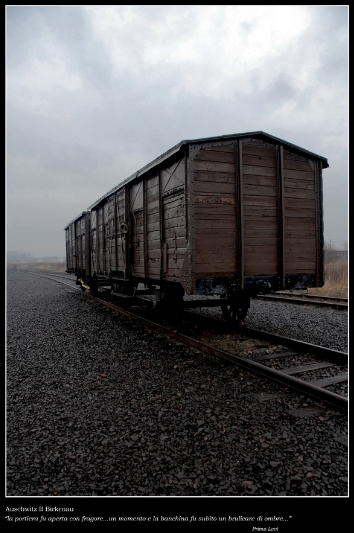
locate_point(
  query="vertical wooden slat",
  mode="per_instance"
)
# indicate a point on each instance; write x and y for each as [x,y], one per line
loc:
[186,190]
[191,217]
[281,216]
[164,259]
[241,253]
[100,265]
[107,255]
[115,225]
[315,179]
[87,245]
[77,230]
[319,222]
[161,225]
[128,235]
[77,244]
[145,231]
[237,204]
[97,242]
[320,199]
[103,243]
[70,253]
[74,254]
[66,248]
[108,234]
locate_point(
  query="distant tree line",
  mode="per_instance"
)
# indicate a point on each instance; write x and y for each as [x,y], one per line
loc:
[20,256]
[332,254]
[29,258]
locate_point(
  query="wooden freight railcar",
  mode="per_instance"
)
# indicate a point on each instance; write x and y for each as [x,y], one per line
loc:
[77,235]
[230,216]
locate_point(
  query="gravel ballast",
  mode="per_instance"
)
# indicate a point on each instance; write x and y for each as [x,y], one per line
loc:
[98,405]
[323,326]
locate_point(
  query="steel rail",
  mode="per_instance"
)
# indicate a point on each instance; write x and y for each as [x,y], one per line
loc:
[294,344]
[319,393]
[52,278]
[302,301]
[314,391]
[307,295]
[299,346]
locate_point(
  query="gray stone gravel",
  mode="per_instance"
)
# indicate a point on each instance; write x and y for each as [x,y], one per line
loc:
[98,405]
[323,326]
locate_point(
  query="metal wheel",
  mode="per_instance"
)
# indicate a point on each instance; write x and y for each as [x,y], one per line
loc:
[235,312]
[171,309]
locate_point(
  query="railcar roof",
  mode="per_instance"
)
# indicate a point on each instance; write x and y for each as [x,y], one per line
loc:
[259,134]
[75,219]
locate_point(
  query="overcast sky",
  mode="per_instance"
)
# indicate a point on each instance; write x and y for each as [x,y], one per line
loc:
[93,93]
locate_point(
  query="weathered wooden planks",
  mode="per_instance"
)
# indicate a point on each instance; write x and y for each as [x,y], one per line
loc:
[260,209]
[215,212]
[242,206]
[300,213]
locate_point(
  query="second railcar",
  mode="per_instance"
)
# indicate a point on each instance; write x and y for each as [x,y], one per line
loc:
[226,216]
[77,235]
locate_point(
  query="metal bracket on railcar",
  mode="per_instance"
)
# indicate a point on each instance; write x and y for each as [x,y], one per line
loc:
[83,284]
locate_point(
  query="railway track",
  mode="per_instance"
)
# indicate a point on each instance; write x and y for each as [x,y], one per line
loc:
[306,294]
[306,299]
[320,373]
[288,361]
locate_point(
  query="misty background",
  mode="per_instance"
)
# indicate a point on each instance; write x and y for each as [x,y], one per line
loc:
[93,93]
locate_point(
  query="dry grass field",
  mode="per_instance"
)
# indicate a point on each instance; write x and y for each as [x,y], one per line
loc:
[336,280]
[56,267]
